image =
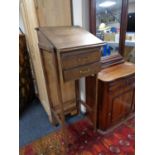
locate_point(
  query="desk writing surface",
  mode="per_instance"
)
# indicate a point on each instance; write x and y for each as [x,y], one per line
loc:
[70,37]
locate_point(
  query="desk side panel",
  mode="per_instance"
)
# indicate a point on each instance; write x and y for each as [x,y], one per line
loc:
[68,88]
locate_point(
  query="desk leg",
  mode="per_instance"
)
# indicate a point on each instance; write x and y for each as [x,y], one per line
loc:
[64,129]
[96,103]
[77,92]
[63,124]
[57,62]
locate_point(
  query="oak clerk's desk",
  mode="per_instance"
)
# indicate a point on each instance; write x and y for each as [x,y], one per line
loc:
[74,53]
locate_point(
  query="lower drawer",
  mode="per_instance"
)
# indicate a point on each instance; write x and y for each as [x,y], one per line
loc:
[86,70]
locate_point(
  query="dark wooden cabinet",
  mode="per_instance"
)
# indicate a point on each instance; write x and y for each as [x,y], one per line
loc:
[26,86]
[116,94]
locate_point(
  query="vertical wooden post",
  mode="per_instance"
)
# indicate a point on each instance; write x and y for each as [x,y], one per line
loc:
[96,102]
[92,16]
[62,114]
[124,16]
[77,95]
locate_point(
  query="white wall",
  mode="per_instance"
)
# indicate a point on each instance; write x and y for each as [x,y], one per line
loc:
[81,13]
[81,18]
[85,14]
[77,12]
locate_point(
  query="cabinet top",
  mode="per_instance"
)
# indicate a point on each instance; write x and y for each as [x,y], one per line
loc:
[65,38]
[116,72]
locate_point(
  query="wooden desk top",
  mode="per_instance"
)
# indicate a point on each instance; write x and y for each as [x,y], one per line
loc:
[70,37]
[117,71]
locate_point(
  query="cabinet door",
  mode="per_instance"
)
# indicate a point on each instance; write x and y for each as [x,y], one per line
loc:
[120,105]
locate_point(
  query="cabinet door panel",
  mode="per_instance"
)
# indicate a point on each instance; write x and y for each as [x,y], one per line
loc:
[121,105]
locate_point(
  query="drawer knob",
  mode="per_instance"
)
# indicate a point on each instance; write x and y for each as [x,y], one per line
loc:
[84,71]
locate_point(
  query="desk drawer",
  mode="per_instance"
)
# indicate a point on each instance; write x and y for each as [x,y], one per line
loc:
[81,57]
[78,72]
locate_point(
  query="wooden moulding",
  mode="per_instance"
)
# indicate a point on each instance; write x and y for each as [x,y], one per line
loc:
[111,60]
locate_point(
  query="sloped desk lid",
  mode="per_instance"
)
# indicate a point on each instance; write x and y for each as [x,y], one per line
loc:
[65,38]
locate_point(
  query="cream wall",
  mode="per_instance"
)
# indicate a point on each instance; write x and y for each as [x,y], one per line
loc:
[81,13]
[81,18]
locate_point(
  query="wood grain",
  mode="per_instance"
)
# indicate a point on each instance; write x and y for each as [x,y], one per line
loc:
[82,71]
[115,105]
[54,12]
[30,22]
[116,72]
[52,81]
[116,86]
[74,58]
[37,13]
[69,38]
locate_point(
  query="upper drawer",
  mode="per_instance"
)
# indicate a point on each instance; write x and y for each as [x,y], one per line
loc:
[81,57]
